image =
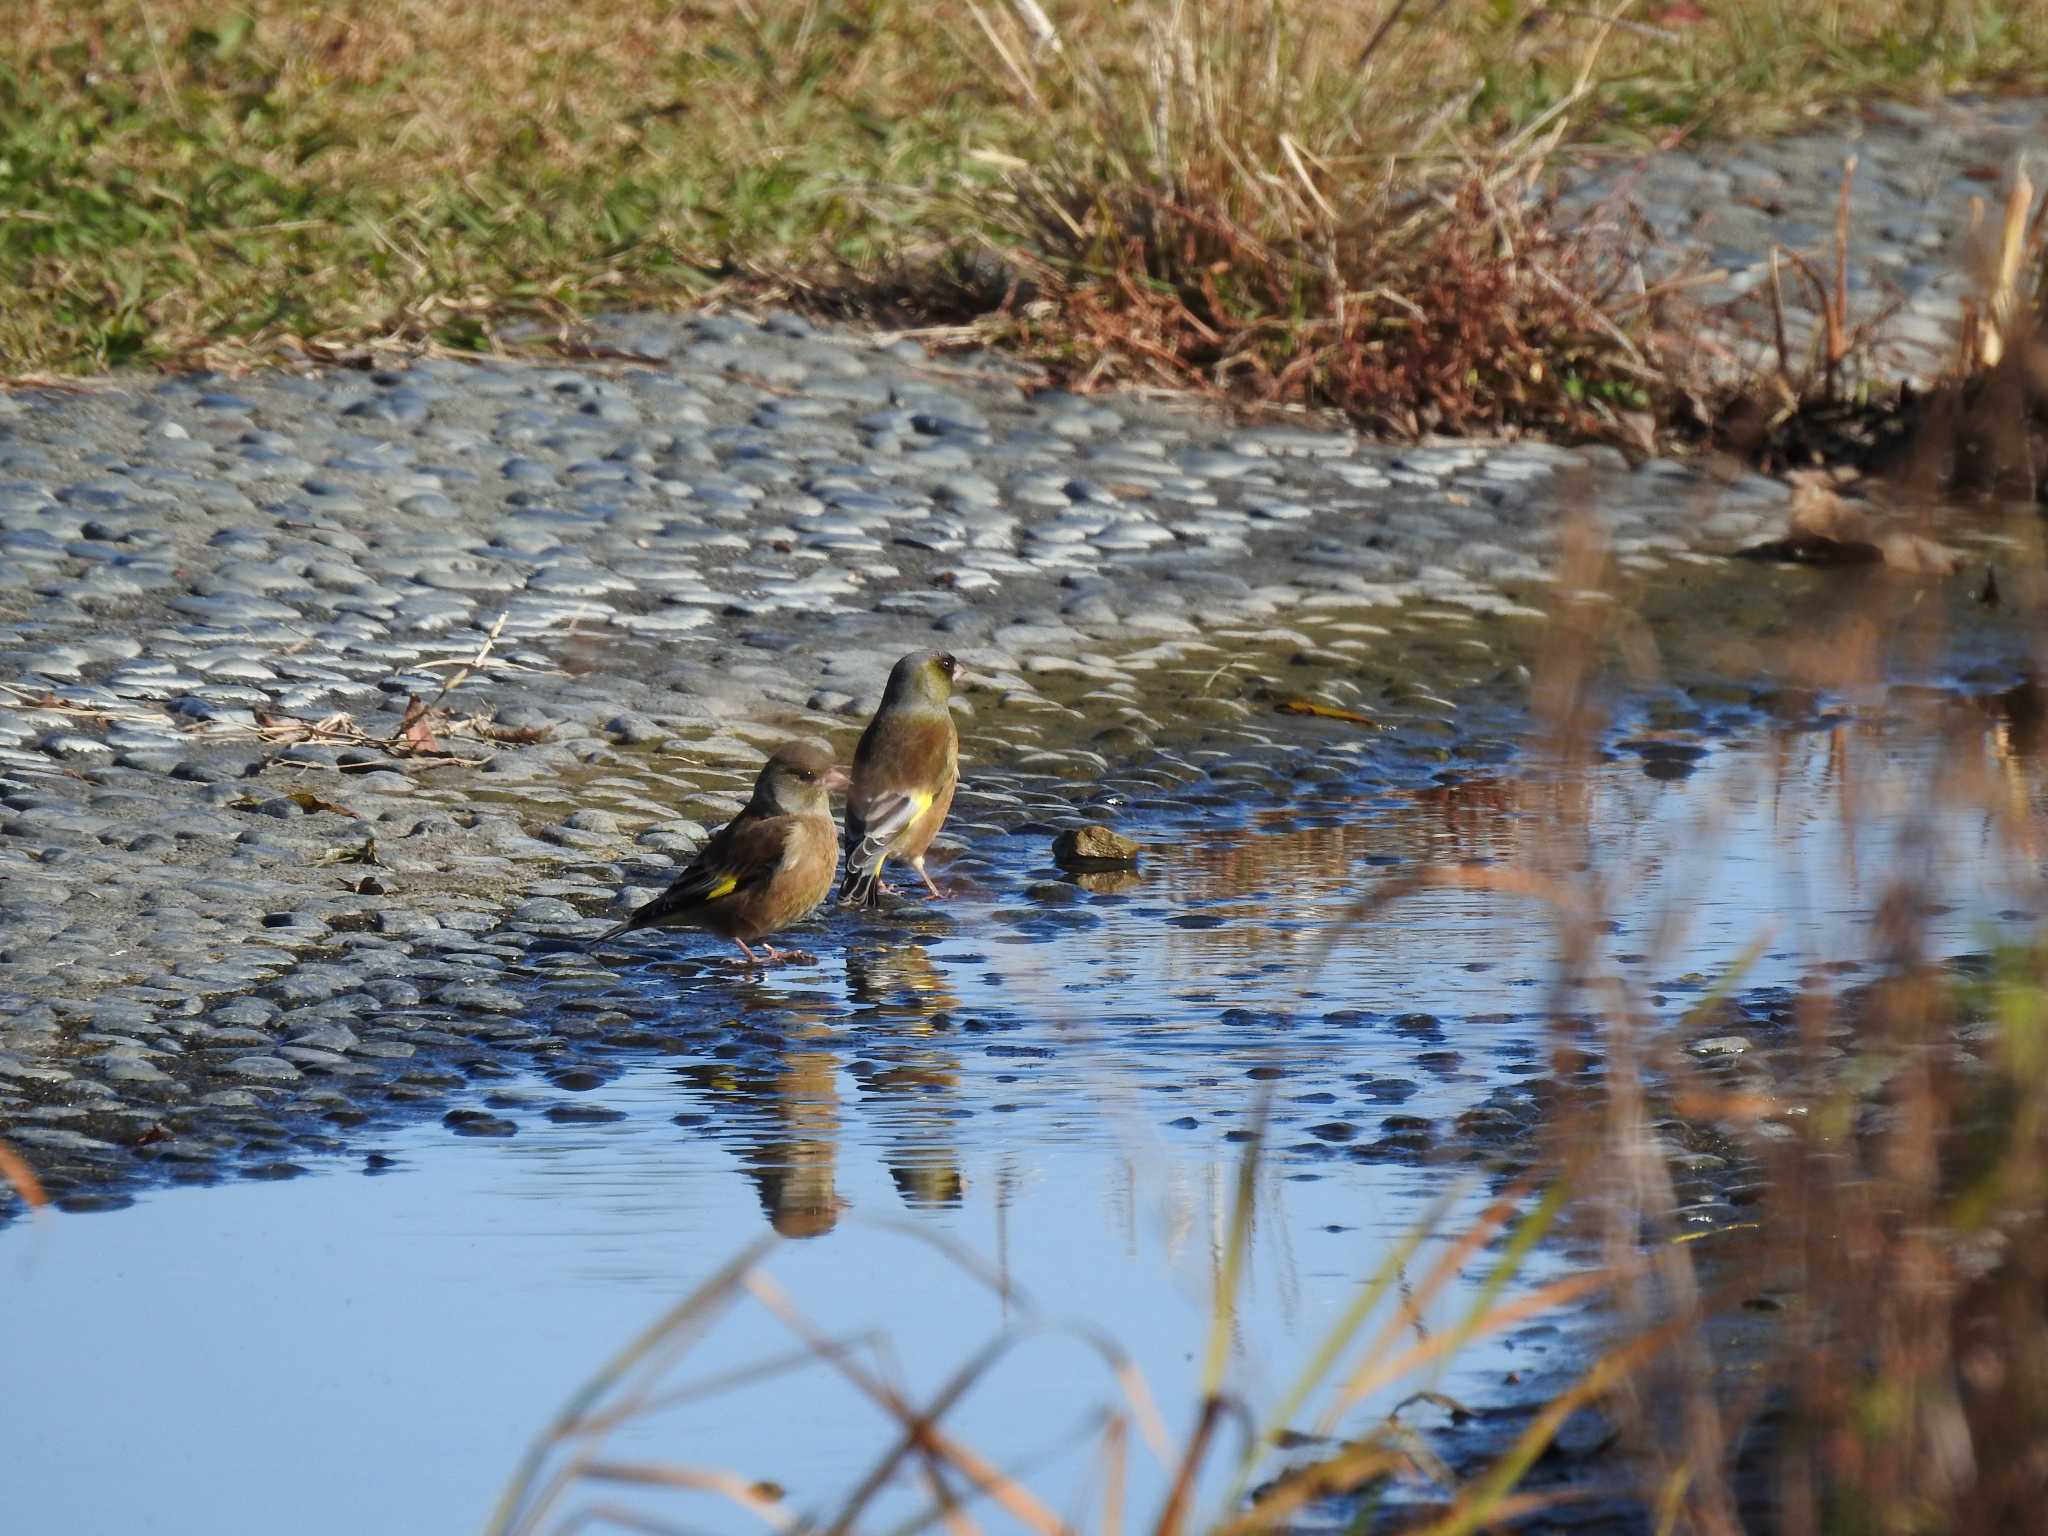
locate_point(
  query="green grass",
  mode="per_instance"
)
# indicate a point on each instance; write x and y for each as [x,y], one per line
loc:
[193,181]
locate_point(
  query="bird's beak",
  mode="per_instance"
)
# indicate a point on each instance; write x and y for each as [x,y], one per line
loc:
[836,779]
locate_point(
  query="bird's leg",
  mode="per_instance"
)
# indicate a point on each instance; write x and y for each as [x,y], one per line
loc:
[752,958]
[918,865]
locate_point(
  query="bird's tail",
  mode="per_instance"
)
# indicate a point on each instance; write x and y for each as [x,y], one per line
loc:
[862,885]
[590,945]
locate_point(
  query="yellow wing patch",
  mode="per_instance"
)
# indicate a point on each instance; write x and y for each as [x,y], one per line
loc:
[920,802]
[725,887]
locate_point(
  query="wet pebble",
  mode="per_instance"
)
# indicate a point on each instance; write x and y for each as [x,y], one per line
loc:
[476,1122]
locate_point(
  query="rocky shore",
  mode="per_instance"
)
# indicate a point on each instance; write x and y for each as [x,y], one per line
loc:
[317,681]
[234,829]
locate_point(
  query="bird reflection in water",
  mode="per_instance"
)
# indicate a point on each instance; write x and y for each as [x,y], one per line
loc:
[912,1076]
[796,1172]
[774,1090]
[782,1100]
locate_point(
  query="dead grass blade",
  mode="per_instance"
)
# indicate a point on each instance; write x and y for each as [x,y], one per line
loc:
[520,1507]
[917,1436]
[21,1178]
[1483,1503]
[1449,1265]
[1352,1467]
[1173,1513]
[772,1512]
[1546,1298]
[1116,1455]
[1144,1407]
[1339,1336]
[726,1381]
[921,1432]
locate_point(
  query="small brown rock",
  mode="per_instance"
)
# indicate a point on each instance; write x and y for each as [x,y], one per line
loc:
[1094,848]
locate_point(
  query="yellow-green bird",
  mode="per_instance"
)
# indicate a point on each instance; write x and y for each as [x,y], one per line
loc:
[769,867]
[904,774]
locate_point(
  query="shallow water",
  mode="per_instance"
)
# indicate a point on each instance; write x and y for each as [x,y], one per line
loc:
[1056,1078]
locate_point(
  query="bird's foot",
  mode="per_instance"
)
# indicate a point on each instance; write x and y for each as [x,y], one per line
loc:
[768,954]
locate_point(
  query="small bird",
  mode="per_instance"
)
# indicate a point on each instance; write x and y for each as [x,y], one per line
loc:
[904,774]
[769,867]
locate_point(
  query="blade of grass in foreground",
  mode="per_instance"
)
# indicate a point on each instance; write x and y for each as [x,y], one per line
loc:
[1558,1293]
[921,1430]
[1338,1338]
[1449,1265]
[1527,1234]
[518,1508]
[772,1512]
[1483,1502]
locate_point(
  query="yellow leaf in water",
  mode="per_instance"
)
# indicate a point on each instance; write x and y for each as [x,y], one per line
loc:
[1296,705]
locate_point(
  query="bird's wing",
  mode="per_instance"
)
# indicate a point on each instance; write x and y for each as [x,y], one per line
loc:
[744,854]
[887,816]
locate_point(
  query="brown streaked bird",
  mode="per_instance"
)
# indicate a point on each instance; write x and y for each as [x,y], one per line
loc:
[904,774]
[769,867]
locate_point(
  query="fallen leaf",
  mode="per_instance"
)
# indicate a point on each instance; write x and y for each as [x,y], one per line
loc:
[1296,705]
[414,730]
[311,803]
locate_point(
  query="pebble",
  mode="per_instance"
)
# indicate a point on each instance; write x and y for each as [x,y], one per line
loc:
[1093,847]
[1720,1046]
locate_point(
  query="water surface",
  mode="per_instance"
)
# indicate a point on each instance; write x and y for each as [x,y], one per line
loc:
[1055,1077]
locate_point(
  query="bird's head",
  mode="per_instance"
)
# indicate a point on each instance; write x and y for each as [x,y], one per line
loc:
[798,780]
[922,678]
